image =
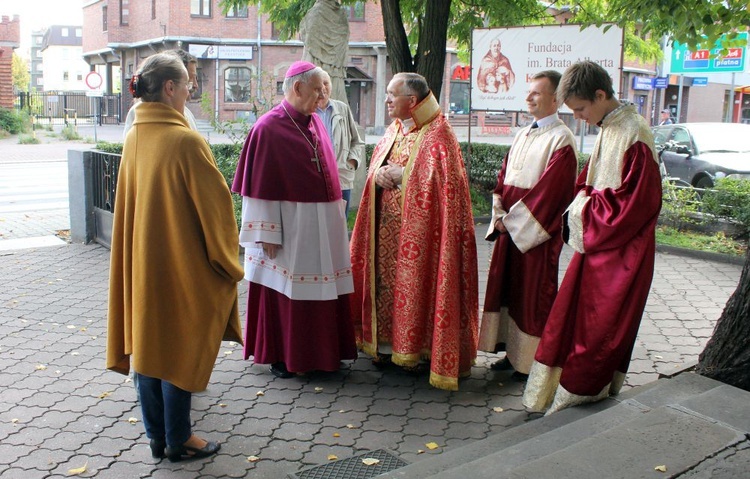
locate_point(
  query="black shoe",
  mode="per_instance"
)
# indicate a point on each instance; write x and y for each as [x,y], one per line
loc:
[382,361]
[501,365]
[418,369]
[157,448]
[519,376]
[181,453]
[280,371]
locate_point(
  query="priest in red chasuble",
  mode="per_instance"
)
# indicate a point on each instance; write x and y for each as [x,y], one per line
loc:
[586,345]
[295,236]
[534,187]
[413,247]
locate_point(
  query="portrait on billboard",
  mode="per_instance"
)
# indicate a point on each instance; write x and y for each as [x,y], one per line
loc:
[495,75]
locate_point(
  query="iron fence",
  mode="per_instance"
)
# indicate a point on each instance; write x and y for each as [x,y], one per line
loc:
[105,168]
[66,108]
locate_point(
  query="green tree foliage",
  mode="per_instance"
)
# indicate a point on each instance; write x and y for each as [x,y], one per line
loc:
[698,22]
[20,71]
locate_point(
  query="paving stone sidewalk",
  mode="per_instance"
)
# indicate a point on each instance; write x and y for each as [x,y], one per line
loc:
[60,409]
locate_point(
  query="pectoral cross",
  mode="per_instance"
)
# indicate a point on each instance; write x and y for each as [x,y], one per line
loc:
[317,161]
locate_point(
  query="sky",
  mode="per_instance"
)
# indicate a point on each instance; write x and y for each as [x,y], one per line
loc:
[39,14]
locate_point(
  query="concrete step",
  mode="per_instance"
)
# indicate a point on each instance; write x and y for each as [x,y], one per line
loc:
[627,437]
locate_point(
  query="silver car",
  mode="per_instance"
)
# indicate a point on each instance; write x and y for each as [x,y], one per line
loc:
[697,154]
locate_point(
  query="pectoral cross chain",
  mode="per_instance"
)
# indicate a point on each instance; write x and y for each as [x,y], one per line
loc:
[317,162]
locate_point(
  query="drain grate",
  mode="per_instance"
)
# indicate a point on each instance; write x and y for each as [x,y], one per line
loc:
[353,467]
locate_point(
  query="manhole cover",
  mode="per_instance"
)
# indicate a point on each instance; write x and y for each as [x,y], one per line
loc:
[353,467]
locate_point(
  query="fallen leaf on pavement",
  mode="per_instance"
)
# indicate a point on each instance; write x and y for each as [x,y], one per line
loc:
[132,420]
[40,367]
[661,468]
[332,457]
[253,459]
[497,409]
[318,389]
[104,394]
[370,461]
[78,470]
[351,426]
[260,393]
[432,445]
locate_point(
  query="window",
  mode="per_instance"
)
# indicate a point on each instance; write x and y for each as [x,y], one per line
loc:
[38,40]
[79,77]
[274,32]
[279,87]
[39,54]
[124,12]
[153,9]
[66,76]
[200,8]
[104,18]
[356,12]
[79,32]
[237,84]
[237,12]
[40,81]
[65,32]
[40,67]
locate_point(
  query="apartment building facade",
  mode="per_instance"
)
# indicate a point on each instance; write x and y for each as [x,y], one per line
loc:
[241,60]
[63,68]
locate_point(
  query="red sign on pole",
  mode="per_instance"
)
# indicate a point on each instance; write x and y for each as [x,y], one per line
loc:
[94,80]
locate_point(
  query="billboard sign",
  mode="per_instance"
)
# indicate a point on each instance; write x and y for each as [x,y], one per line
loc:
[504,59]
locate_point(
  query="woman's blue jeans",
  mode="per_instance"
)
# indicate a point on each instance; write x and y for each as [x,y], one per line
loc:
[165,408]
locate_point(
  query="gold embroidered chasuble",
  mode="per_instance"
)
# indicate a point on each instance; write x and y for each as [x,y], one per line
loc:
[414,252]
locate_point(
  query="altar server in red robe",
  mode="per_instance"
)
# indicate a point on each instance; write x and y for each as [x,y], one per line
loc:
[413,246]
[295,236]
[534,187]
[586,345]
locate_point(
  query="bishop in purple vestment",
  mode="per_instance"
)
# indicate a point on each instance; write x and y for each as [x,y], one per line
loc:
[295,236]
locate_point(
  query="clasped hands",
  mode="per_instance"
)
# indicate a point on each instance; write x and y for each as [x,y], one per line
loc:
[389,176]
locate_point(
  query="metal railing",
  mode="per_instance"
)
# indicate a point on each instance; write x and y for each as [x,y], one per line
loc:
[66,108]
[105,167]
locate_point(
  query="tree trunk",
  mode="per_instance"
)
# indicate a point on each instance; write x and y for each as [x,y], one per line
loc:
[396,41]
[430,57]
[429,60]
[726,357]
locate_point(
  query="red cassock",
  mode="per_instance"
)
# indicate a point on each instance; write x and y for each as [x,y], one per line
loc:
[432,311]
[587,342]
[535,185]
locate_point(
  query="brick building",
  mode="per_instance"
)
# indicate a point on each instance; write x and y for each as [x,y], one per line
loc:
[234,51]
[10,39]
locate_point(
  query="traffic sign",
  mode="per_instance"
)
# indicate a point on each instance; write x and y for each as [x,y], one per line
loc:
[708,61]
[94,80]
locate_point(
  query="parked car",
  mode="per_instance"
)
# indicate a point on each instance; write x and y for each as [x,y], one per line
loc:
[697,154]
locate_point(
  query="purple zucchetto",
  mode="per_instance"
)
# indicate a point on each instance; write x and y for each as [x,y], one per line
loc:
[298,67]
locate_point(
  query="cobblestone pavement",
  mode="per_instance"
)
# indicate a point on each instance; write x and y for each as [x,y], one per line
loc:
[61,410]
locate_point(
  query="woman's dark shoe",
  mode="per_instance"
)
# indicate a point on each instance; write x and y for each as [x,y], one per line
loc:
[181,453]
[157,448]
[280,371]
